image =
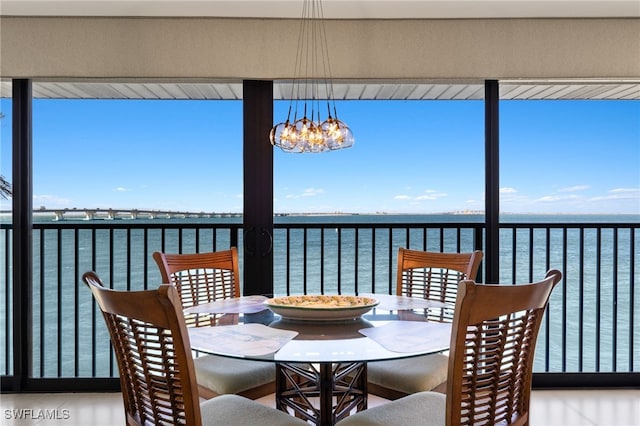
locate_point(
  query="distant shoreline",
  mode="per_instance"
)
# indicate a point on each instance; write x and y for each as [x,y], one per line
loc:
[87,215]
[81,211]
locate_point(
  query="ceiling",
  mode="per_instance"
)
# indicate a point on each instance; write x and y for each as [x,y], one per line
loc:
[338,9]
[353,9]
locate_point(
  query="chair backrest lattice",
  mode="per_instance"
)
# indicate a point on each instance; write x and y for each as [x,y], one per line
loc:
[436,284]
[435,276]
[201,278]
[152,349]
[493,343]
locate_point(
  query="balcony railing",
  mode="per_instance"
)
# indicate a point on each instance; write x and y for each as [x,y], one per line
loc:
[590,327]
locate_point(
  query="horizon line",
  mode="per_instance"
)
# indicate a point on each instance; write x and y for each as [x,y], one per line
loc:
[143,211]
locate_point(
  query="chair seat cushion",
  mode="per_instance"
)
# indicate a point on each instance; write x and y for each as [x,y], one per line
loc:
[228,375]
[234,410]
[422,408]
[410,375]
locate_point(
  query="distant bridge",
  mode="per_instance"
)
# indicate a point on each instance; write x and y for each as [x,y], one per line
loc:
[110,214]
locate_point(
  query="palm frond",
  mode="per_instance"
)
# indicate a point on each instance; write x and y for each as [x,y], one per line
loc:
[5,188]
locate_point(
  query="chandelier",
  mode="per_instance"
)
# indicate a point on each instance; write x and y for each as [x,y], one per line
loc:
[305,131]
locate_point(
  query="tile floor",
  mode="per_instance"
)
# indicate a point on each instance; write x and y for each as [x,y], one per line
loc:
[548,408]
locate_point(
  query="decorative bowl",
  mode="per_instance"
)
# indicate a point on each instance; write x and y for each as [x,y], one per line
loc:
[321,307]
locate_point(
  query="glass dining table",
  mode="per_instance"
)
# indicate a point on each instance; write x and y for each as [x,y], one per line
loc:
[321,366]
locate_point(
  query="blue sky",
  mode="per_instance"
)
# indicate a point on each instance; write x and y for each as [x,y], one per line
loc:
[409,157]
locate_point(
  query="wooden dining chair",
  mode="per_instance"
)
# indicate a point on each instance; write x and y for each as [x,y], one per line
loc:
[432,276]
[201,278]
[149,336]
[206,277]
[493,340]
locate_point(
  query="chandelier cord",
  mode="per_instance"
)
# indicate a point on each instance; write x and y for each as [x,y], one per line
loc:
[326,65]
[309,133]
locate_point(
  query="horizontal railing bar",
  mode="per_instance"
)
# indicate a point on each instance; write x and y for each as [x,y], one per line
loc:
[393,225]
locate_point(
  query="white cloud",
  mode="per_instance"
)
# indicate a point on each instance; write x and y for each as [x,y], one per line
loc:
[312,192]
[555,198]
[548,199]
[619,194]
[121,189]
[309,192]
[635,191]
[574,188]
[429,195]
[426,197]
[571,199]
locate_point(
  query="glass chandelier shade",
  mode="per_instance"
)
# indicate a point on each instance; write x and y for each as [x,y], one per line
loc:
[305,131]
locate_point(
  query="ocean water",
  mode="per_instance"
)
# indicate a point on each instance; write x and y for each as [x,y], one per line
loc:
[591,324]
